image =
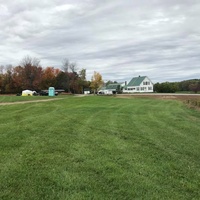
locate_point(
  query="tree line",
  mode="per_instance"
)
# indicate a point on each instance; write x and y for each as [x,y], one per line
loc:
[30,75]
[192,85]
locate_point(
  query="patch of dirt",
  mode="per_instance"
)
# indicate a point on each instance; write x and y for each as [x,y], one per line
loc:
[168,97]
[24,102]
[191,100]
[80,95]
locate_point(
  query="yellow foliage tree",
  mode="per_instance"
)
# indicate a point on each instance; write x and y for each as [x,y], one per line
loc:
[96,81]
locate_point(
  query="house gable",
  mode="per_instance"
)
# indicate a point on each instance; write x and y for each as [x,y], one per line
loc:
[146,82]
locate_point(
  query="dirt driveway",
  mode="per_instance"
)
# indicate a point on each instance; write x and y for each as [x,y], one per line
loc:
[23,102]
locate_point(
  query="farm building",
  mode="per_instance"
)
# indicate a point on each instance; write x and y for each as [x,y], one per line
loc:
[86,91]
[102,90]
[139,84]
[110,89]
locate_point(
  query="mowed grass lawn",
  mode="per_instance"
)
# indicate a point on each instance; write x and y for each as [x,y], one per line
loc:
[99,148]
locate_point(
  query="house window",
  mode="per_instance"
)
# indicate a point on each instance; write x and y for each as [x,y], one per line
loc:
[149,88]
[142,88]
[146,83]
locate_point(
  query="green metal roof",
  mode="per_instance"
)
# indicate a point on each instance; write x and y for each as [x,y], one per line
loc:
[102,88]
[113,86]
[136,81]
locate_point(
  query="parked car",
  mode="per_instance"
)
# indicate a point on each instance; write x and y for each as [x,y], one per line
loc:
[43,93]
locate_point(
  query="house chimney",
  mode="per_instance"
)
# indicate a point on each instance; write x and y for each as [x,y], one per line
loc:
[125,82]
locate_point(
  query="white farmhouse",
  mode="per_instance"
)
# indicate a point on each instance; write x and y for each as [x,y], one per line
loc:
[139,84]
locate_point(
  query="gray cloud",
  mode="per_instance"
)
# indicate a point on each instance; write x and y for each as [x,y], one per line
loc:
[120,39]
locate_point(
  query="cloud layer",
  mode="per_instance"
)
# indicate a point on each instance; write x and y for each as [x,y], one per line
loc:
[119,39]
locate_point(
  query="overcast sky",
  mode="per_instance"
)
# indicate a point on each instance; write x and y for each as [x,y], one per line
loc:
[120,39]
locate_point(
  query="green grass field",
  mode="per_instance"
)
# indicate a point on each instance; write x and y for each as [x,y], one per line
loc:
[99,148]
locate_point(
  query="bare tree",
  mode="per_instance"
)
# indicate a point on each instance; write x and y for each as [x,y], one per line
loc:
[9,67]
[73,67]
[65,65]
[2,69]
[32,72]
[82,74]
[29,61]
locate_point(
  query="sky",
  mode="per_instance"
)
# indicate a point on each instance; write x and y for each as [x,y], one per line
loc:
[120,39]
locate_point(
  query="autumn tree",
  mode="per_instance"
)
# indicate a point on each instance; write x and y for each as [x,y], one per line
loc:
[7,82]
[1,77]
[1,80]
[49,77]
[18,78]
[82,80]
[74,82]
[32,74]
[62,81]
[96,81]
[74,78]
